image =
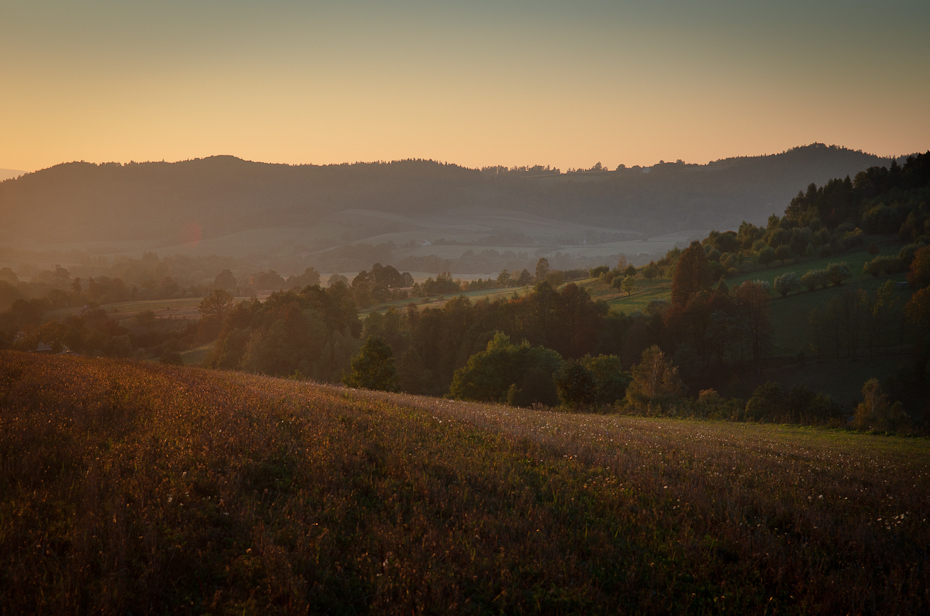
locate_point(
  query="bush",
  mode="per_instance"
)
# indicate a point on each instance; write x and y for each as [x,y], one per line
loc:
[575,385]
[597,272]
[883,265]
[814,278]
[876,413]
[837,273]
[786,283]
[767,403]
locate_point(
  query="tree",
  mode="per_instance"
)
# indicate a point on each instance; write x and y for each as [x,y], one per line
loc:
[753,300]
[610,380]
[309,278]
[519,374]
[875,412]
[542,269]
[337,279]
[814,278]
[503,279]
[225,281]
[767,255]
[837,273]
[917,309]
[692,274]
[783,252]
[216,306]
[524,278]
[575,385]
[629,284]
[650,271]
[919,274]
[655,380]
[630,270]
[373,367]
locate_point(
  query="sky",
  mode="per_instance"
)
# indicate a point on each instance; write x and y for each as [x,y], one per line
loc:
[478,82]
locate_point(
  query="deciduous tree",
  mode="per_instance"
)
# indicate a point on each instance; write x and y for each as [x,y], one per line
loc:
[692,274]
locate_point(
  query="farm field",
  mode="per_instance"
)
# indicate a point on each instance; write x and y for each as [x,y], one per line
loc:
[127,486]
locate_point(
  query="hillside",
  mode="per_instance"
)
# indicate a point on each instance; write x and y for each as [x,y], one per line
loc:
[132,487]
[223,205]
[6,174]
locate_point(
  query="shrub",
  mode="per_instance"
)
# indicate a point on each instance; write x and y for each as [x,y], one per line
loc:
[883,265]
[597,272]
[575,385]
[814,278]
[786,283]
[767,403]
[837,273]
[875,412]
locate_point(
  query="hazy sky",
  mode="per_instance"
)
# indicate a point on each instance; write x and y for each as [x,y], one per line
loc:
[476,83]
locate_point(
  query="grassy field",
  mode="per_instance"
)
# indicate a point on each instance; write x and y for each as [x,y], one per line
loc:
[132,487]
[646,291]
[855,261]
[790,315]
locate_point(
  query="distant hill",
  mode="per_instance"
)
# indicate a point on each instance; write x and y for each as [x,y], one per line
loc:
[6,174]
[85,203]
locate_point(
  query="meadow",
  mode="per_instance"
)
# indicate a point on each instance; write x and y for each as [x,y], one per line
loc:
[133,487]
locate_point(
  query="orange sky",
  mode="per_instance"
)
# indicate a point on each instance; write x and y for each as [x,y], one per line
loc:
[479,83]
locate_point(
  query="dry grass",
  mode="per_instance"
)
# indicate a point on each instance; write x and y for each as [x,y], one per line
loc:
[144,488]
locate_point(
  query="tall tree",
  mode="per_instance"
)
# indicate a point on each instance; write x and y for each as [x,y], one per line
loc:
[692,274]
[373,367]
[542,269]
[655,380]
[753,300]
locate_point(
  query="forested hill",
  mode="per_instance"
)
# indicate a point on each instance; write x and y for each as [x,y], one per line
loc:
[80,202]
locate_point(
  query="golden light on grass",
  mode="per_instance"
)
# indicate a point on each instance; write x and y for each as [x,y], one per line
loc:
[128,484]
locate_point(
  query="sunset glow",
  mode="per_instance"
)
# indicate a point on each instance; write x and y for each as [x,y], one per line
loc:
[479,83]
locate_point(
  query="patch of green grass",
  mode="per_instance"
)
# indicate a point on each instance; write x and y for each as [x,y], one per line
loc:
[646,291]
[195,357]
[791,314]
[841,379]
[855,260]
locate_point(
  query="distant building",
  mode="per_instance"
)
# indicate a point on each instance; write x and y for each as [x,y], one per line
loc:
[424,243]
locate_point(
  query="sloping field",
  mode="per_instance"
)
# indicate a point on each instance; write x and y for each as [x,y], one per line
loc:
[129,487]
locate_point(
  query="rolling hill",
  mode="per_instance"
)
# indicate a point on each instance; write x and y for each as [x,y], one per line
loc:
[224,205]
[128,487]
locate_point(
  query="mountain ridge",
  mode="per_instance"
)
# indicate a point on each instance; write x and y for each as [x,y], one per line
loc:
[88,203]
